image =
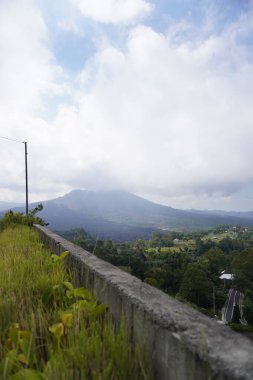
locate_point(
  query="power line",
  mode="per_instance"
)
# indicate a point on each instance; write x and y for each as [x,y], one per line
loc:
[6,138]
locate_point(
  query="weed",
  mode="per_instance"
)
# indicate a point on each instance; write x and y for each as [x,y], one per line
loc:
[48,328]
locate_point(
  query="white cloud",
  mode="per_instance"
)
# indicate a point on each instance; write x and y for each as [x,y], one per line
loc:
[28,74]
[26,68]
[113,11]
[164,116]
[171,117]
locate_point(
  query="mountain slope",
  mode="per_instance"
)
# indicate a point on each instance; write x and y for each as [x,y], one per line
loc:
[61,217]
[238,214]
[120,215]
[124,207]
[9,205]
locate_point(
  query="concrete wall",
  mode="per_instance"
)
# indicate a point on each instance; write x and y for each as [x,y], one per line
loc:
[182,343]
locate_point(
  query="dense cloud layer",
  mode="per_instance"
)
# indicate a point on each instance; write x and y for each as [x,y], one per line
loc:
[162,114]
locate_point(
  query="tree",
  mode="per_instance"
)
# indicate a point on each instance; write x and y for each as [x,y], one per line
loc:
[196,287]
[213,261]
[221,228]
[242,267]
[161,239]
[80,237]
[248,306]
[202,247]
[226,244]
[236,314]
[138,265]
[151,281]
[220,296]
[140,245]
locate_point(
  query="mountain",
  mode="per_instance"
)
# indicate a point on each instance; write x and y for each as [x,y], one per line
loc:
[62,217]
[9,205]
[120,215]
[127,208]
[239,214]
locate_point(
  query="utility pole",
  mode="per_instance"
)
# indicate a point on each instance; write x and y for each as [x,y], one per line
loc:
[26,180]
[213,300]
[26,170]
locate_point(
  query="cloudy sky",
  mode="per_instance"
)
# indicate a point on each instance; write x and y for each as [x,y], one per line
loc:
[151,96]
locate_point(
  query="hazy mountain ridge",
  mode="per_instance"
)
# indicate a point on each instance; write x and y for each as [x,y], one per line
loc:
[60,217]
[9,205]
[120,215]
[239,214]
[124,207]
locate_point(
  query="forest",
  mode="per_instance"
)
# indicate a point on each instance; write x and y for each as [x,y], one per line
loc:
[188,265]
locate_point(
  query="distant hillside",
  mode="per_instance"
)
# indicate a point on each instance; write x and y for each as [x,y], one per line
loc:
[120,215]
[62,217]
[238,214]
[127,208]
[9,205]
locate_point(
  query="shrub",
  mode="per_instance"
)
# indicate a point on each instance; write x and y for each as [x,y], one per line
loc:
[241,328]
[12,219]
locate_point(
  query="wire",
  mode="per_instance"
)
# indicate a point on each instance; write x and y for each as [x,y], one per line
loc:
[6,138]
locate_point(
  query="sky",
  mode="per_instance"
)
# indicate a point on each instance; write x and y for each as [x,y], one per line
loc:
[154,97]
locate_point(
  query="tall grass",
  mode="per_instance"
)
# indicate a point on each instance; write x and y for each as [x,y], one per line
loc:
[49,329]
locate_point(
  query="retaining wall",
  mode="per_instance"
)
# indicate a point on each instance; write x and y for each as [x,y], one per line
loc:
[182,343]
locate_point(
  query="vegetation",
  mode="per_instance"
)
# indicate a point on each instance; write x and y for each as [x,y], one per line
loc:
[196,287]
[236,315]
[248,306]
[241,328]
[12,219]
[48,328]
[186,265]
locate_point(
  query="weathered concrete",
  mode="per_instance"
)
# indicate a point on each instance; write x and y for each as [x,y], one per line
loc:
[182,343]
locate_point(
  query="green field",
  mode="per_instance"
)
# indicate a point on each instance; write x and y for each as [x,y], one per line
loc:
[218,237]
[182,245]
[190,245]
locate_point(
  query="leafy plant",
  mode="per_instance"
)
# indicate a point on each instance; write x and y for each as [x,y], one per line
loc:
[48,328]
[19,348]
[59,258]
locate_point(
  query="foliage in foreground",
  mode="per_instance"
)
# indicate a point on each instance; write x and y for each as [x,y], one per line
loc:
[48,328]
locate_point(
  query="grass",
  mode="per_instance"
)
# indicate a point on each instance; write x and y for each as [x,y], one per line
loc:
[220,236]
[50,330]
[190,244]
[181,246]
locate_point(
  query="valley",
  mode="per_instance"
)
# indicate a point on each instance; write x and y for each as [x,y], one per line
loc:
[187,265]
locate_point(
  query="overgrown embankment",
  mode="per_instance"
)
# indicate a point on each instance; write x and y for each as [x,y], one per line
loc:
[48,328]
